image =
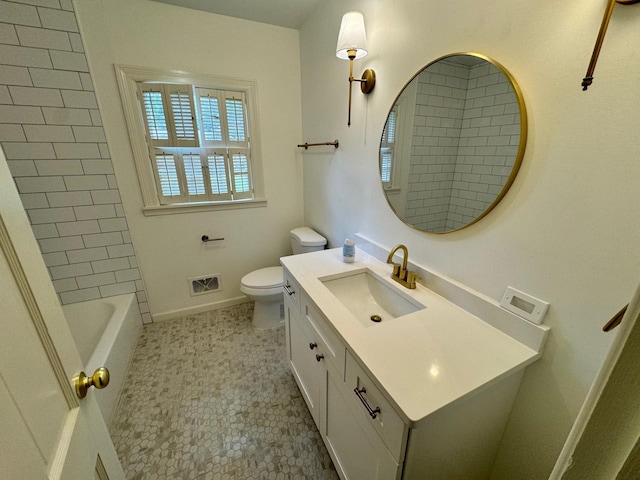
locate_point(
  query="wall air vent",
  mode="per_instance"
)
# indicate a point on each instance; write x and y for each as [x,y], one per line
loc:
[204,284]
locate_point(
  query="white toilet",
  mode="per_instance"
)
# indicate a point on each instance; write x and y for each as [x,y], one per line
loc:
[264,286]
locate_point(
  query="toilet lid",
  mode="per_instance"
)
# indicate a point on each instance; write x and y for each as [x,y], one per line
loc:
[264,278]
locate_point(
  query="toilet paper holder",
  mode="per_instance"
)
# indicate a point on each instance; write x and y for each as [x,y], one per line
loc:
[205,239]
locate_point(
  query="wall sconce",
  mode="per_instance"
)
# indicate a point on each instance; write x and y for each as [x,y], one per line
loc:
[351,46]
[588,79]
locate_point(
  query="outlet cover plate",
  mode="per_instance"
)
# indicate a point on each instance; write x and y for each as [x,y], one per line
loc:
[526,306]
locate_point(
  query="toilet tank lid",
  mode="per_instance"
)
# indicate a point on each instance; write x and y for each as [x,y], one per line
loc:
[308,237]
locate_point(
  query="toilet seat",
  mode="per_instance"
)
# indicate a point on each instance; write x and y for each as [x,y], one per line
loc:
[266,281]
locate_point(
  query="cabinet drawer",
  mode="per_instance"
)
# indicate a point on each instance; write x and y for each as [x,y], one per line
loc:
[291,291]
[332,347]
[357,451]
[371,402]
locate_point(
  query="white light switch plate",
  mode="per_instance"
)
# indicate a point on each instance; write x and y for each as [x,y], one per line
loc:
[525,306]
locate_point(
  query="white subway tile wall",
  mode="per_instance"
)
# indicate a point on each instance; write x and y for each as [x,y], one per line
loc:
[51,133]
[465,138]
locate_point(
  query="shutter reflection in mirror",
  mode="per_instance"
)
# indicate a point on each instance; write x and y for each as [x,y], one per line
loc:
[387,147]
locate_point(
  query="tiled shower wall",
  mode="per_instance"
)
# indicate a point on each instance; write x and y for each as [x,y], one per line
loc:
[465,140]
[488,146]
[436,133]
[52,136]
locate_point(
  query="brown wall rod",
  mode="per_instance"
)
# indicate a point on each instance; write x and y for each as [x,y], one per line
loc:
[307,145]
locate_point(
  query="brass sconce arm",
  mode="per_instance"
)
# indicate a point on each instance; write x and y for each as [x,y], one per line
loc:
[588,79]
[367,82]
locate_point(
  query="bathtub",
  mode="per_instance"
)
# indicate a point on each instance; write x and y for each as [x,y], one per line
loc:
[106,332]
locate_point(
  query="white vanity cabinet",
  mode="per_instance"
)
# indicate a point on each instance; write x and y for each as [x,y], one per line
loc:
[311,346]
[368,432]
[348,431]
[318,361]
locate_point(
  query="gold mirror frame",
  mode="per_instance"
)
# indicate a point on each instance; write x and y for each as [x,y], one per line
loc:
[517,160]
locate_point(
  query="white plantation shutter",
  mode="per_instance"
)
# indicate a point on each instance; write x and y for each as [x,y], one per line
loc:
[155,114]
[183,116]
[198,141]
[218,180]
[193,174]
[167,176]
[210,119]
[240,174]
[222,116]
[169,115]
[235,119]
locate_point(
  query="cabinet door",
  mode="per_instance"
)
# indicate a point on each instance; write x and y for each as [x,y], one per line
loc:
[357,451]
[307,370]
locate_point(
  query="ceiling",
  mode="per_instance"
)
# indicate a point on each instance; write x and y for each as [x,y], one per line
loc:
[285,13]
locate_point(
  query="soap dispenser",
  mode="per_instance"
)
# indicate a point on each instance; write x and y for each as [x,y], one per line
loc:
[348,251]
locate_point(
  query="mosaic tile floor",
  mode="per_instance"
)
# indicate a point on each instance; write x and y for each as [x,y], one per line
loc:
[219,403]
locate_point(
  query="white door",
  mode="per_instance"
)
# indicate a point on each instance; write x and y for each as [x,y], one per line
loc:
[46,431]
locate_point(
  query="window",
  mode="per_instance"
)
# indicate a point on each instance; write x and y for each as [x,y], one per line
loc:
[194,139]
[197,158]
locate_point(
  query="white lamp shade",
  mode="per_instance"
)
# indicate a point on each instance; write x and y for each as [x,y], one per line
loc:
[352,36]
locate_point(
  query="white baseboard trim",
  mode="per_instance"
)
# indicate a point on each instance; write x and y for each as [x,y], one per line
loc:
[160,317]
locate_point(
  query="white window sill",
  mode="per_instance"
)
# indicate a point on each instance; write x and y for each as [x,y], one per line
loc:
[202,207]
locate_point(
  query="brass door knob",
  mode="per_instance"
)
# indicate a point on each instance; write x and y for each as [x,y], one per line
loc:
[99,379]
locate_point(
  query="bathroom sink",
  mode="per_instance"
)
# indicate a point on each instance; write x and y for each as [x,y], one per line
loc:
[369,298]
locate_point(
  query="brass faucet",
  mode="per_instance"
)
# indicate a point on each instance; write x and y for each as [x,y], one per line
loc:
[400,274]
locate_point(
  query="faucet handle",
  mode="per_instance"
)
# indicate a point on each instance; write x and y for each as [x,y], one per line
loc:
[412,277]
[396,270]
[403,274]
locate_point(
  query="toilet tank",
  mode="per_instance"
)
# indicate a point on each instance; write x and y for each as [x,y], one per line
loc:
[305,239]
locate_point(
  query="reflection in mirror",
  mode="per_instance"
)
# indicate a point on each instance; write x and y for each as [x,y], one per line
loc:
[452,143]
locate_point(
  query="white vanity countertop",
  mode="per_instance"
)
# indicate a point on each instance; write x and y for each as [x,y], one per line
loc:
[425,360]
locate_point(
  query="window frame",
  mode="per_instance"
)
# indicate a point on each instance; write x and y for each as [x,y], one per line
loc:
[129,78]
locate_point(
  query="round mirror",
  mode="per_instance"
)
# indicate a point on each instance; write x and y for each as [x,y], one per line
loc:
[453,143]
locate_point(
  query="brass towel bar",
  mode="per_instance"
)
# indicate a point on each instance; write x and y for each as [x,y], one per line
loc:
[307,145]
[615,320]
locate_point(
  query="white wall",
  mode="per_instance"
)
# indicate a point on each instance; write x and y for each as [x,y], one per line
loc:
[566,232]
[150,34]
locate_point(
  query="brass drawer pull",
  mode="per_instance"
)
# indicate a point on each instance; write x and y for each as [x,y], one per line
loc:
[312,345]
[319,356]
[289,290]
[373,412]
